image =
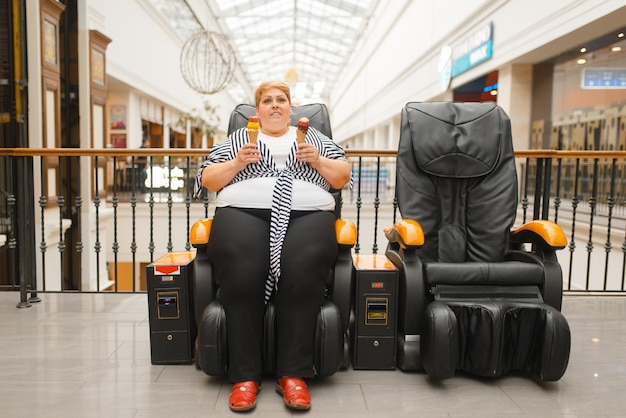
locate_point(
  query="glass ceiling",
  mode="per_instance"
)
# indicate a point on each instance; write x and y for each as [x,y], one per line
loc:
[304,42]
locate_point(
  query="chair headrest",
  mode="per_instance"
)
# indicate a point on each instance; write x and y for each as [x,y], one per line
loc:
[454,139]
[316,112]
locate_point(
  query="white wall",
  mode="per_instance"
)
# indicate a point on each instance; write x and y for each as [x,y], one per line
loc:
[145,53]
[397,60]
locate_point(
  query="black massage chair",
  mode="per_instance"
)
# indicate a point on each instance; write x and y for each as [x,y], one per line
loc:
[332,335]
[476,293]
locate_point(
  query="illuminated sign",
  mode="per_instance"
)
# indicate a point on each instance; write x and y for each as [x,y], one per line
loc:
[471,51]
[468,53]
[604,78]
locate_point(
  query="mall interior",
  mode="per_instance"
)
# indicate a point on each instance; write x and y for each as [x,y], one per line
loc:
[93,74]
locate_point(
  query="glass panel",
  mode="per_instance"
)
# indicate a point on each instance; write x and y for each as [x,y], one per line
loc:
[310,39]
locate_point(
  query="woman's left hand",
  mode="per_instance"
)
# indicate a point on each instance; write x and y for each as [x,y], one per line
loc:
[335,171]
[307,153]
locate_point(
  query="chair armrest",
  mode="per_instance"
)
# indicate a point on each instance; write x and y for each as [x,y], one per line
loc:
[202,283]
[200,231]
[343,283]
[546,237]
[541,232]
[346,232]
[408,233]
[405,239]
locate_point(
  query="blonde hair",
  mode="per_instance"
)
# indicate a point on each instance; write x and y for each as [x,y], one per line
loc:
[271,84]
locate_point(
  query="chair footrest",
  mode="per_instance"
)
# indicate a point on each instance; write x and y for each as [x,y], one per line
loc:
[494,337]
[211,353]
[211,349]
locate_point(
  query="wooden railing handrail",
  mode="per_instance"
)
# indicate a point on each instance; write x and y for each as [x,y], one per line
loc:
[103,152]
[197,152]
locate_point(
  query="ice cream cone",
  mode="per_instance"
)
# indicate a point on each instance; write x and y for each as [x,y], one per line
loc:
[253,129]
[300,135]
[253,134]
[303,127]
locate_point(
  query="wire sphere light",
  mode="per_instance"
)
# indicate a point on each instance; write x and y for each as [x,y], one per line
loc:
[207,62]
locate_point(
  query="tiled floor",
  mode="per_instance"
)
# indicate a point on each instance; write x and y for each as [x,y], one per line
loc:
[88,355]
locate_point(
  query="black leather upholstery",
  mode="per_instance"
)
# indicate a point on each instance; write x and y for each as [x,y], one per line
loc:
[332,333]
[457,162]
[469,299]
[492,338]
[317,113]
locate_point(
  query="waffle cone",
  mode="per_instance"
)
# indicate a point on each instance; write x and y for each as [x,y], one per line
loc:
[300,135]
[253,134]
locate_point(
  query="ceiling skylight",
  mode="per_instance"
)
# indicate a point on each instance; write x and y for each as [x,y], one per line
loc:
[304,42]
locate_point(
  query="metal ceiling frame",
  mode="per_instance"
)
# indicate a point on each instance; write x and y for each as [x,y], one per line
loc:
[316,37]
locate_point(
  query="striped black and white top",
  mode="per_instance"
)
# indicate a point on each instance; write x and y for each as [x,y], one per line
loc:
[282,193]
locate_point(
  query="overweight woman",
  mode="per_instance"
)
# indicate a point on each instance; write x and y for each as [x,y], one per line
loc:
[273,237]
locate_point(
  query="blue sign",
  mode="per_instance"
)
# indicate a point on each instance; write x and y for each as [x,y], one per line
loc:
[604,78]
[473,50]
[475,57]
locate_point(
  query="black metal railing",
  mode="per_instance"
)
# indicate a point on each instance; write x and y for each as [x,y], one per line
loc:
[96,228]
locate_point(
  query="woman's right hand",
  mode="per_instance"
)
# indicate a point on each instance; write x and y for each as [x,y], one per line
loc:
[247,154]
[216,176]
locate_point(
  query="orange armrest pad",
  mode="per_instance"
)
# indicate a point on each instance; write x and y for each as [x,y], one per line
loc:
[346,232]
[549,232]
[200,231]
[407,233]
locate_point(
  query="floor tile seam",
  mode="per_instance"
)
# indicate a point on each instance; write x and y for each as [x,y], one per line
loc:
[506,394]
[367,407]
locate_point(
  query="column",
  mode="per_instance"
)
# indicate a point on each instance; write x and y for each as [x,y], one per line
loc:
[515,97]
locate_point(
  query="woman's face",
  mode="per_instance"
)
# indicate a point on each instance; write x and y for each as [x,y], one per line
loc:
[274,111]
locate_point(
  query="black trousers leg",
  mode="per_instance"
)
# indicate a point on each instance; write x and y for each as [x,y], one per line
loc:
[309,251]
[239,252]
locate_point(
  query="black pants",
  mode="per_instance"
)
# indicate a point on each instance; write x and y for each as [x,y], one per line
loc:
[239,251]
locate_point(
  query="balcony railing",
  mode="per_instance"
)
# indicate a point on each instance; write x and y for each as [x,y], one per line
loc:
[97,218]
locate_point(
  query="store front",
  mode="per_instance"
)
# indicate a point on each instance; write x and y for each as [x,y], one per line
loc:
[483,89]
[589,95]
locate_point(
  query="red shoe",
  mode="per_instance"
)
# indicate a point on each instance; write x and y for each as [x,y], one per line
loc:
[295,392]
[243,396]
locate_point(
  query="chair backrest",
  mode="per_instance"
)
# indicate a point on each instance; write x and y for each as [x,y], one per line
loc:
[318,116]
[316,112]
[456,176]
